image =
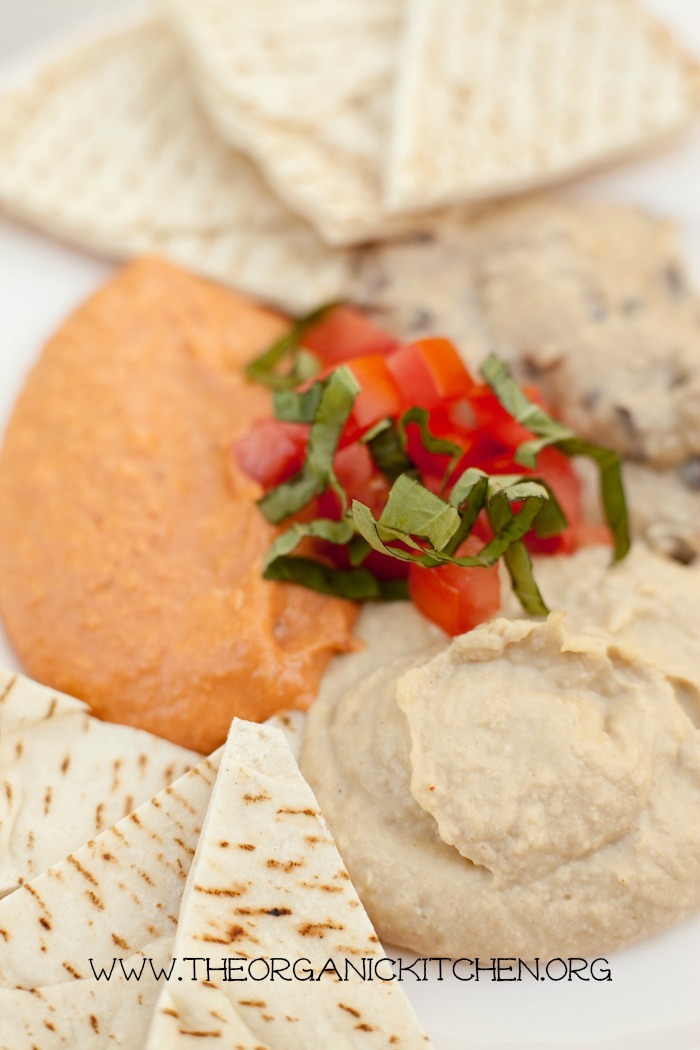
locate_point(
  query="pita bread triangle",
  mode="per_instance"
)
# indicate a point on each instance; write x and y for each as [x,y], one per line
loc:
[66,776]
[304,89]
[267,881]
[86,1014]
[108,149]
[529,92]
[115,898]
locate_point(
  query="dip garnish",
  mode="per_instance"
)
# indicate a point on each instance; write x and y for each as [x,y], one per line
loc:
[406,477]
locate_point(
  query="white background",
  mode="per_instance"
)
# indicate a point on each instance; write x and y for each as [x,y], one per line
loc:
[656,985]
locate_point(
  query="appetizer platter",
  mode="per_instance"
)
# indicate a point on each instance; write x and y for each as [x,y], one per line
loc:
[396,474]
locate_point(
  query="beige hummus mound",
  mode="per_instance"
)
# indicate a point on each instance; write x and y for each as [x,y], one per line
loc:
[529,791]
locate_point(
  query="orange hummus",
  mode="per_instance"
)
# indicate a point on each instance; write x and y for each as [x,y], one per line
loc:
[130,546]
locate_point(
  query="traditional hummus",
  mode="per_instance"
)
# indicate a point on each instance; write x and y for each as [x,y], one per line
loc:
[130,547]
[528,791]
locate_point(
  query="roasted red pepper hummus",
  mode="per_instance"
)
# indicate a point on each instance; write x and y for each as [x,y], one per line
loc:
[129,545]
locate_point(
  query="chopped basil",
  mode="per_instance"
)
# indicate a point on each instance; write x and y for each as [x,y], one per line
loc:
[436,446]
[549,432]
[333,405]
[265,369]
[388,451]
[416,525]
[358,584]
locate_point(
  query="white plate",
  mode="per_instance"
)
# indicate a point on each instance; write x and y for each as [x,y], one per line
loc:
[652,1002]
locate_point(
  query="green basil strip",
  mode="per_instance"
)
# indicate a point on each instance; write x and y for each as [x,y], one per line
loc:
[293,407]
[338,393]
[469,497]
[412,510]
[388,450]
[550,432]
[516,556]
[356,584]
[436,446]
[265,368]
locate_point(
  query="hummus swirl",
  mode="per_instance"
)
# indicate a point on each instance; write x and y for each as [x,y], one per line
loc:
[526,792]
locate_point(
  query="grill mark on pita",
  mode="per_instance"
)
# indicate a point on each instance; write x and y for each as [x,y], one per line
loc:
[156,802]
[183,845]
[220,891]
[233,933]
[95,1024]
[198,1033]
[284,865]
[19,749]
[181,801]
[72,859]
[246,845]
[120,942]
[173,919]
[319,929]
[135,817]
[145,876]
[117,763]
[44,922]
[120,835]
[128,805]
[30,889]
[262,911]
[94,899]
[262,797]
[350,1010]
[52,707]
[364,1027]
[301,812]
[8,688]
[252,1002]
[50,1025]
[170,1012]
[72,971]
[288,1018]
[107,855]
[5,935]
[47,800]
[99,816]
[8,792]
[321,886]
[142,761]
[313,839]
[65,764]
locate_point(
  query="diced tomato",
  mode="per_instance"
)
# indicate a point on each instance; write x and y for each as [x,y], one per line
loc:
[490,415]
[271,451]
[558,471]
[356,472]
[430,464]
[429,372]
[456,599]
[346,333]
[378,397]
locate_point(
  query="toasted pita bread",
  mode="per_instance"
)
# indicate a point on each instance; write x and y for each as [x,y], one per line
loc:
[304,89]
[87,1014]
[267,880]
[117,897]
[108,149]
[503,96]
[65,776]
[121,890]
